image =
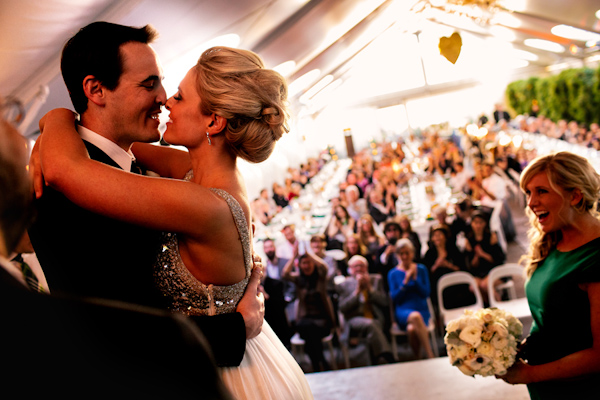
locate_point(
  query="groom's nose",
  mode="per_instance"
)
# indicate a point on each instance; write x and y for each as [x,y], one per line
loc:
[161,97]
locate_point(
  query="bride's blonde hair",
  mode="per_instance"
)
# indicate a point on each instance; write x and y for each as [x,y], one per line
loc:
[234,84]
[568,172]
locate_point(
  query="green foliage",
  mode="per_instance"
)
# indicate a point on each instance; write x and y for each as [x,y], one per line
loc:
[573,94]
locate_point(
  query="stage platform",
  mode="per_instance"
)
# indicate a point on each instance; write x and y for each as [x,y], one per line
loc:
[433,379]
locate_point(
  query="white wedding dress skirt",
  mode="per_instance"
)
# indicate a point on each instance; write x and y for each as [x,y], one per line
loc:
[267,371]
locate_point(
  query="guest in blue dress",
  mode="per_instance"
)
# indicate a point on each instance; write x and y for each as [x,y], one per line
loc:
[409,290]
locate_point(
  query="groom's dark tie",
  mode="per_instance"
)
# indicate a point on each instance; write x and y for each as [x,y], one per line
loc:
[30,278]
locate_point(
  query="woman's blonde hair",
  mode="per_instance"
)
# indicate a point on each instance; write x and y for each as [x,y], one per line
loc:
[364,236]
[566,171]
[235,85]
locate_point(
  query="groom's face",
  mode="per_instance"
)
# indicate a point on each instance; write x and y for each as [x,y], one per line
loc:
[133,106]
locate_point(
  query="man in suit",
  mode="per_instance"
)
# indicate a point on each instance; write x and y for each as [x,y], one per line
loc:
[274,269]
[71,348]
[386,258]
[364,305]
[114,80]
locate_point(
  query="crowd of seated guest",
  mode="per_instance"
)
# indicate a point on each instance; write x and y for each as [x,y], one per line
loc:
[483,174]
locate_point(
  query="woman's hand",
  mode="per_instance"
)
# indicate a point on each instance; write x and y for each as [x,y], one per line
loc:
[518,373]
[411,273]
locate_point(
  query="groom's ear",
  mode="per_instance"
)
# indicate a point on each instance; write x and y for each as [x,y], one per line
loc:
[94,90]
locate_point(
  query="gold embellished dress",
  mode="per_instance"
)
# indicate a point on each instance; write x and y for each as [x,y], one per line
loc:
[268,370]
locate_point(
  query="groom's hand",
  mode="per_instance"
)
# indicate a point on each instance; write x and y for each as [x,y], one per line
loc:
[252,305]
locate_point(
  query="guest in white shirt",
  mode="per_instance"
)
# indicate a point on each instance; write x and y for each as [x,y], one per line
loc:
[356,206]
[285,248]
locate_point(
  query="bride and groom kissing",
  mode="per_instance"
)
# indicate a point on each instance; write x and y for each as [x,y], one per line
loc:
[181,241]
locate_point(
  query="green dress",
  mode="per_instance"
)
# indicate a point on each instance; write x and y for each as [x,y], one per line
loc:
[561,317]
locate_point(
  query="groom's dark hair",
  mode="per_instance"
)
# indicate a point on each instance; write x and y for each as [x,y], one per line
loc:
[95,50]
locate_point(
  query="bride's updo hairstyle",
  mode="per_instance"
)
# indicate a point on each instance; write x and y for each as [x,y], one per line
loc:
[235,85]
[568,172]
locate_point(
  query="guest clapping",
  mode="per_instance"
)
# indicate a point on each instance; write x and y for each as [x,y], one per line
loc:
[364,304]
[409,289]
[441,257]
[483,252]
[315,316]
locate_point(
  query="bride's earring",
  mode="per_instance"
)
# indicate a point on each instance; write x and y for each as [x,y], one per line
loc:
[208,137]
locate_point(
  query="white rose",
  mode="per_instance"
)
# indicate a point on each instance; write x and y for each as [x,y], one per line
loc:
[455,325]
[499,329]
[487,316]
[486,349]
[499,342]
[471,334]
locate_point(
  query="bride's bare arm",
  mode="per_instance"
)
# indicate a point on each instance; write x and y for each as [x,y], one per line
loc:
[157,203]
[165,161]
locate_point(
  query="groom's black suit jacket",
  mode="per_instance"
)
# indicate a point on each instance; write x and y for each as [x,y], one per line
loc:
[89,255]
[58,346]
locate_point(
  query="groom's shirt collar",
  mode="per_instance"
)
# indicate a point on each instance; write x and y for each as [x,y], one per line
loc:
[121,157]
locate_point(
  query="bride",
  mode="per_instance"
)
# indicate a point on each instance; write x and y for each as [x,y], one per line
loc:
[227,106]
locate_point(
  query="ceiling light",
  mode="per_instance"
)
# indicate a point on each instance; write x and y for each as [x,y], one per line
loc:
[598,14]
[557,67]
[573,33]
[544,45]
[285,68]
[592,58]
[525,55]
[304,99]
[301,83]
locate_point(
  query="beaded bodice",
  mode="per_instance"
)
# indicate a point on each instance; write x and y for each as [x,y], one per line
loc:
[183,291]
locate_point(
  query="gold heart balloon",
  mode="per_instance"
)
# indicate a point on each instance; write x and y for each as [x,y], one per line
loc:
[450,47]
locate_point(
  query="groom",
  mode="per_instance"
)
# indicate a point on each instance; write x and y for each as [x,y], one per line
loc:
[114,79]
[69,348]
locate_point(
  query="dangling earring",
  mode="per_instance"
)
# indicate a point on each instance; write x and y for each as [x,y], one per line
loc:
[208,137]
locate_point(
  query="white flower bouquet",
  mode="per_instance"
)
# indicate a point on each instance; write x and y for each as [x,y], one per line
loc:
[483,342]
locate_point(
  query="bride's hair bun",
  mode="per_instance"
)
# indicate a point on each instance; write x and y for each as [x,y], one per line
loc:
[234,84]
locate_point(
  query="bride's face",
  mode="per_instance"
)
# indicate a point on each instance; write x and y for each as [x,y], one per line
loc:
[186,124]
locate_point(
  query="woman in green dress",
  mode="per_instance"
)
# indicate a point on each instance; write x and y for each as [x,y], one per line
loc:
[561,357]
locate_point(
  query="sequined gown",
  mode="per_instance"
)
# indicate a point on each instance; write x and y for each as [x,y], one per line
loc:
[267,371]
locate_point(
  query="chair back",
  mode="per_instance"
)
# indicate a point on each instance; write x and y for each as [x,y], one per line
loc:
[452,279]
[504,271]
[496,225]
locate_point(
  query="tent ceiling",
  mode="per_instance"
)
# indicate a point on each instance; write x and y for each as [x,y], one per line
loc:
[312,33]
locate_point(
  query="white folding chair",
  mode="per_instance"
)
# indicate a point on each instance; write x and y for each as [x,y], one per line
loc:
[496,225]
[395,330]
[517,306]
[452,279]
